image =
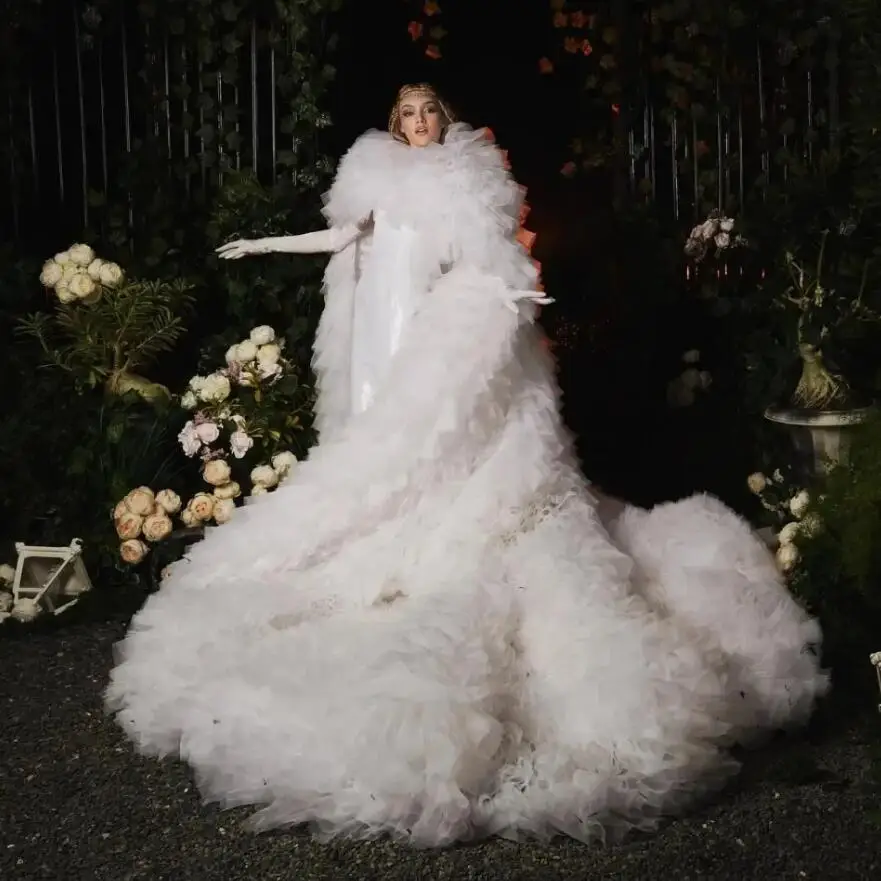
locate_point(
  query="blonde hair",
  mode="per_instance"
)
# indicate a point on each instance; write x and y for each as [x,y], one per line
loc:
[426,90]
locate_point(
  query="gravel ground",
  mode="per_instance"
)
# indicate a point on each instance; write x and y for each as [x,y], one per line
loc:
[77,803]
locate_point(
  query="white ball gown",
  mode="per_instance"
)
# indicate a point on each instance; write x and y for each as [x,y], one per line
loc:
[430,630]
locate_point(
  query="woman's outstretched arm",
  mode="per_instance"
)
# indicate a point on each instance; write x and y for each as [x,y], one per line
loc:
[321,241]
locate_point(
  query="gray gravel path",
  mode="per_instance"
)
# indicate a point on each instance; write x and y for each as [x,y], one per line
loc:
[77,803]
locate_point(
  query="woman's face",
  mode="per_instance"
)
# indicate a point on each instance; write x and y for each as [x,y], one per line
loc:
[421,120]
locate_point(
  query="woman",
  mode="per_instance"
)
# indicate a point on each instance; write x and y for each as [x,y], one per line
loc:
[430,631]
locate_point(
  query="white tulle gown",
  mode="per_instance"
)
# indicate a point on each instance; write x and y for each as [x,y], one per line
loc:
[430,630]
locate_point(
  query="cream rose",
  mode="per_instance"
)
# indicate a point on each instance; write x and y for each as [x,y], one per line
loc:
[5,602]
[264,475]
[81,286]
[94,269]
[133,551]
[788,534]
[229,490]
[168,500]
[246,351]
[223,510]
[216,388]
[141,501]
[120,509]
[129,525]
[62,258]
[757,482]
[189,401]
[787,557]
[188,518]
[81,255]
[283,462]
[799,504]
[7,574]
[62,291]
[258,490]
[269,354]
[51,274]
[110,274]
[202,506]
[207,432]
[157,527]
[25,610]
[216,472]
[262,335]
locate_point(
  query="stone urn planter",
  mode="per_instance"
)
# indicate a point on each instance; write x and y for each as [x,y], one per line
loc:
[821,438]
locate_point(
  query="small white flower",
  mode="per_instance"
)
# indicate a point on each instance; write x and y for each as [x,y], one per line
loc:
[246,351]
[81,255]
[811,525]
[202,506]
[229,490]
[264,475]
[757,482]
[197,383]
[141,501]
[25,610]
[692,356]
[788,534]
[81,286]
[94,269]
[777,476]
[799,504]
[207,432]
[189,439]
[7,574]
[52,274]
[283,463]
[262,335]
[133,551]
[168,500]
[189,401]
[875,659]
[787,557]
[216,472]
[223,510]
[110,274]
[240,442]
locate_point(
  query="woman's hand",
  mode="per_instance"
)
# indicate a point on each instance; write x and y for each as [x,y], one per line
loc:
[239,248]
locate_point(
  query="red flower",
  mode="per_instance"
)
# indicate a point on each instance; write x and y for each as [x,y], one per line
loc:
[415,30]
[545,65]
[587,49]
[431,7]
[433,52]
[578,19]
[568,169]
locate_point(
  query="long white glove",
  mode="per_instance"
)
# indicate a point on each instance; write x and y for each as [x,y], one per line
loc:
[513,299]
[321,241]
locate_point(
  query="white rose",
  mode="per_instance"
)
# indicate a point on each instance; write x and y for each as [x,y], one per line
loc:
[223,510]
[81,286]
[268,370]
[110,274]
[157,527]
[202,506]
[692,356]
[141,501]
[726,224]
[262,335]
[215,389]
[788,534]
[188,518]
[128,525]
[240,442]
[63,292]
[5,602]
[62,258]
[81,255]
[216,472]
[232,356]
[258,490]
[722,240]
[284,462]
[799,504]
[207,432]
[708,229]
[757,482]
[94,269]
[189,439]
[269,353]
[229,490]
[168,500]
[197,383]
[51,274]
[787,557]
[7,574]
[246,351]
[189,401]
[25,610]
[133,551]
[264,475]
